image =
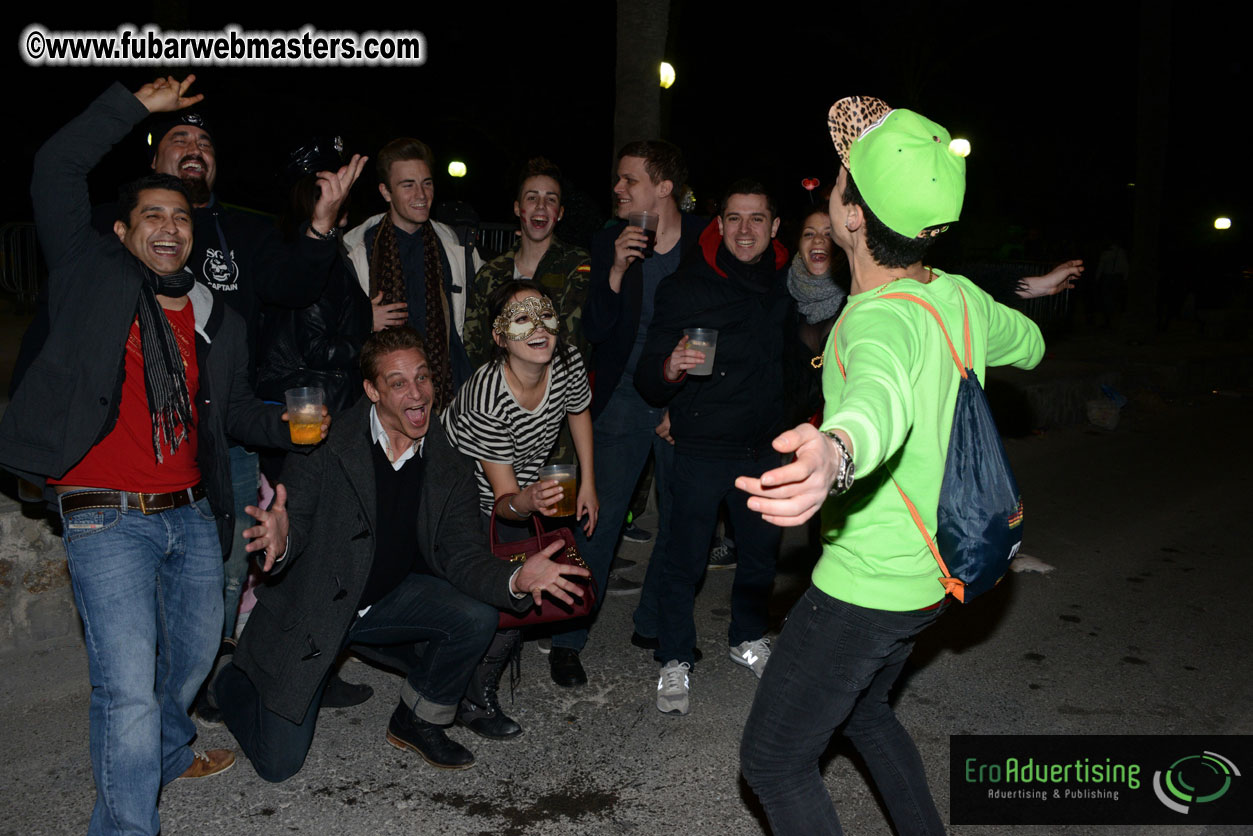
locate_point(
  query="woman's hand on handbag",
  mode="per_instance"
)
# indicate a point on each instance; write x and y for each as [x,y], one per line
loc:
[587,505]
[540,574]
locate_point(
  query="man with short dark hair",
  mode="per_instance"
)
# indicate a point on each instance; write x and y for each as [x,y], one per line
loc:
[722,421]
[619,306]
[123,414]
[561,269]
[381,544]
[413,267]
[900,184]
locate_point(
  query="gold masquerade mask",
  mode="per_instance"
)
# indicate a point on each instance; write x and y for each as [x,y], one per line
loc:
[539,313]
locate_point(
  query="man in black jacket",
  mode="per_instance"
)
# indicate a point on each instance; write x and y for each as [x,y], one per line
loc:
[123,416]
[722,422]
[381,545]
[616,314]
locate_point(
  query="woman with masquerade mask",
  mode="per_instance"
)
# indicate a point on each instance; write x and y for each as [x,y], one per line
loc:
[507,416]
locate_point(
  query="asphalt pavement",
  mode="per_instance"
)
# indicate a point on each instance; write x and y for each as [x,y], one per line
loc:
[1140,627]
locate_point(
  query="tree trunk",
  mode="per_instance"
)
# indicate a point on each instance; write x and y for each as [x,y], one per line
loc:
[642,26]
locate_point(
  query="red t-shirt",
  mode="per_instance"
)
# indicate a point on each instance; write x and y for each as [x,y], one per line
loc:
[124,460]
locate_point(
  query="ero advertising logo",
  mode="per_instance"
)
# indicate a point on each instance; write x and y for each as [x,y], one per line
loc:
[1099,779]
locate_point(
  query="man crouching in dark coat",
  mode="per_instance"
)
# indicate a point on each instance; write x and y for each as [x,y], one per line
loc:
[352,566]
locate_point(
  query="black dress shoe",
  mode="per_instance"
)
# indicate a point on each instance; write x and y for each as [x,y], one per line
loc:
[565,667]
[653,643]
[341,694]
[405,731]
[491,723]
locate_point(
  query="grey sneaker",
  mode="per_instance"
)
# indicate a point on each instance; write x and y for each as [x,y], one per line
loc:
[672,687]
[753,655]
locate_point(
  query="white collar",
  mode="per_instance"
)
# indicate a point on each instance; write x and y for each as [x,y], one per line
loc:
[380,438]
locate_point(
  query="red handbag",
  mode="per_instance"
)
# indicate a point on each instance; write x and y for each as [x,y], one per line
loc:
[551,609]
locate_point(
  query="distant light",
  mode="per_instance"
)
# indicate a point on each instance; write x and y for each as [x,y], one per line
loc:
[456,168]
[667,74]
[1222,223]
[150,140]
[1131,185]
[960,147]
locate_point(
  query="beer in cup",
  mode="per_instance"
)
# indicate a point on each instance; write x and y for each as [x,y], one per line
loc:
[304,414]
[567,478]
[706,340]
[648,222]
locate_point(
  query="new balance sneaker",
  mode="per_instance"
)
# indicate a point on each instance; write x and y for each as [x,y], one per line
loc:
[722,554]
[672,687]
[753,655]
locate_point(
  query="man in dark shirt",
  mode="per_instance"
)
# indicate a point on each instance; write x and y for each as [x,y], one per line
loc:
[381,545]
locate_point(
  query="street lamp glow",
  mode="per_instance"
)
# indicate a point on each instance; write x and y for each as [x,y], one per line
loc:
[456,168]
[667,74]
[960,147]
[1222,223]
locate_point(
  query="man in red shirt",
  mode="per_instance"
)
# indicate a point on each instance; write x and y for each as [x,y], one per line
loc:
[123,415]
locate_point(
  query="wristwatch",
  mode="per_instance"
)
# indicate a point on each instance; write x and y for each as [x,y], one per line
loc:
[843,479]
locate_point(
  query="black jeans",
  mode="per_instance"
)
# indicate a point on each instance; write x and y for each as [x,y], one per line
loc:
[456,628]
[699,486]
[834,662]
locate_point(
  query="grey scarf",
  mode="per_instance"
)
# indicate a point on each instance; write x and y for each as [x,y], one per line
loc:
[817,297]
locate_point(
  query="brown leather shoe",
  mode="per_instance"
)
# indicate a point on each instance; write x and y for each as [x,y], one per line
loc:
[210,762]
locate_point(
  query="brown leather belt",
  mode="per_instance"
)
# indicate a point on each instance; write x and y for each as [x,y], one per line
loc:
[148,503]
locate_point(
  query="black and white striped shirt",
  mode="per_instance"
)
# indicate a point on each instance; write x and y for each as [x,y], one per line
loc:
[485,421]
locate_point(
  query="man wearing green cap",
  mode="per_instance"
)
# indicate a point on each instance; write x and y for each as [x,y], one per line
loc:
[900,184]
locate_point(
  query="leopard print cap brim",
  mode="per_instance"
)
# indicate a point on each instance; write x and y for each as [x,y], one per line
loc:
[851,117]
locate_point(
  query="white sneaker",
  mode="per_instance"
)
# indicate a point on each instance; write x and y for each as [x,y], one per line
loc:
[752,655]
[672,687]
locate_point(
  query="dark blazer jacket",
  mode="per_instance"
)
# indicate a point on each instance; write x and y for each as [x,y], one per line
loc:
[301,620]
[68,400]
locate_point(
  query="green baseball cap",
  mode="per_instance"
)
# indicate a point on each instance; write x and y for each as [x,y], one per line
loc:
[902,163]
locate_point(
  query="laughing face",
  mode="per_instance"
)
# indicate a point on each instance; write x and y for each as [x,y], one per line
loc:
[527,327]
[187,153]
[747,226]
[402,393]
[159,231]
[410,193]
[815,244]
[539,207]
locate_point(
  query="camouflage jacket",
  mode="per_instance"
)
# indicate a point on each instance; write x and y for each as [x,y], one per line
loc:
[562,272]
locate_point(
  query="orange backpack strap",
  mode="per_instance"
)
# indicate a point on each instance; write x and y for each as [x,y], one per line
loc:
[952,586]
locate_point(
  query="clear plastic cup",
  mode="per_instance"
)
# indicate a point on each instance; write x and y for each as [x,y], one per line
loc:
[706,340]
[567,476]
[304,414]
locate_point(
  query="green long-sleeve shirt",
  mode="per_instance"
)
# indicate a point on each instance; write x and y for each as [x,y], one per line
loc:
[897,407]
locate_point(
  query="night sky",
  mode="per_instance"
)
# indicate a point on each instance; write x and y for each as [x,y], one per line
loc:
[1047,95]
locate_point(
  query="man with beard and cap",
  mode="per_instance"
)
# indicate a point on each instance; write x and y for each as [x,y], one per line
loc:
[901,183]
[123,416]
[241,258]
[722,421]
[413,267]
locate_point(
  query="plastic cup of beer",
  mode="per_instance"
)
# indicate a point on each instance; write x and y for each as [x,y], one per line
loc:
[567,478]
[304,414]
[706,340]
[648,222]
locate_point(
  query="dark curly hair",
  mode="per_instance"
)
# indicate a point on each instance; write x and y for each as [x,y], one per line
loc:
[128,194]
[499,300]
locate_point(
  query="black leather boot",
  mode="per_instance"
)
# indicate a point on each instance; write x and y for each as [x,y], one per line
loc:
[405,731]
[480,710]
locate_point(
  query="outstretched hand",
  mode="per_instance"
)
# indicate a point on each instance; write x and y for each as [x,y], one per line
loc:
[1062,277]
[540,574]
[269,535]
[163,95]
[790,495]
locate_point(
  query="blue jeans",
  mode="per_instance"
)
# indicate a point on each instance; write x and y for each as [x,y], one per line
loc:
[149,591]
[245,481]
[457,630]
[622,437]
[699,487]
[834,662]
